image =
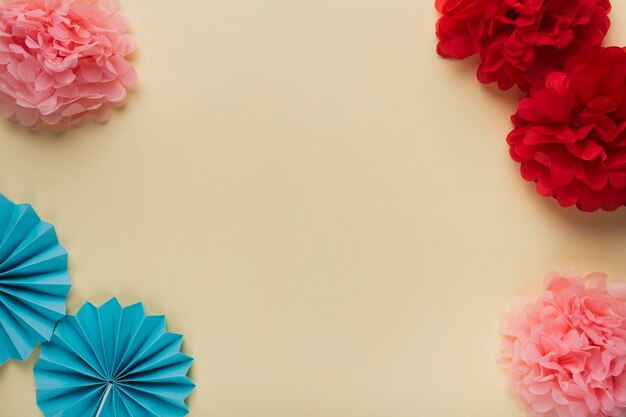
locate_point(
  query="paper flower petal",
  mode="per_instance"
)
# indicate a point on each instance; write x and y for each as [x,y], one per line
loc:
[33,280]
[113,362]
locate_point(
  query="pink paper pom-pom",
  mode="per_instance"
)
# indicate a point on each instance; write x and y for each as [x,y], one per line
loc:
[62,61]
[565,354]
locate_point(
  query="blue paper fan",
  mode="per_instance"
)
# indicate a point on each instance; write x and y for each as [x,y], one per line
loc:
[33,280]
[113,362]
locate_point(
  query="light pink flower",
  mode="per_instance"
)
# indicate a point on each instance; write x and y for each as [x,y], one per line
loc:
[565,354]
[62,61]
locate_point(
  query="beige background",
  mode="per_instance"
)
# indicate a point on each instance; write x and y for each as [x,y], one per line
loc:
[322,206]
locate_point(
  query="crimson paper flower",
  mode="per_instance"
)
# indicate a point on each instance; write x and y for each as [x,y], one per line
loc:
[569,136]
[518,40]
[62,61]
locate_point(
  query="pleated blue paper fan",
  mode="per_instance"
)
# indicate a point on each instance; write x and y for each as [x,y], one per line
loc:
[113,362]
[33,280]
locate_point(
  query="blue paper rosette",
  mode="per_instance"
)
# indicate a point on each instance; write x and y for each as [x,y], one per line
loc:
[33,280]
[113,362]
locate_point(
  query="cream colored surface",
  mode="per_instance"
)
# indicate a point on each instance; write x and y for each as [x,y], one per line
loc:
[324,208]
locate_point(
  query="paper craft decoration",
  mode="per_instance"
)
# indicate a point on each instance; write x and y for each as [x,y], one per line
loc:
[569,132]
[569,129]
[113,362]
[564,354]
[517,42]
[33,280]
[62,61]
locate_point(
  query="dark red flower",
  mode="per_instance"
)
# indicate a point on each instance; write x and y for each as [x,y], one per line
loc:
[518,40]
[570,134]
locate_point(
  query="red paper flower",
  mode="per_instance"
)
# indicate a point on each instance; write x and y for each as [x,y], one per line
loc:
[517,40]
[570,132]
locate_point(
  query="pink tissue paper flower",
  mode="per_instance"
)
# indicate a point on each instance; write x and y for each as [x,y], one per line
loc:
[62,61]
[564,354]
